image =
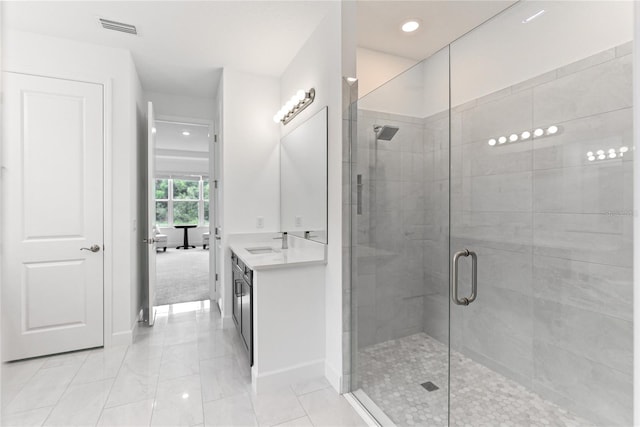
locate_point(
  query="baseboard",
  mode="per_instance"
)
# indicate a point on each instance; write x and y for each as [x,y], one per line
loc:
[227,322]
[273,380]
[334,378]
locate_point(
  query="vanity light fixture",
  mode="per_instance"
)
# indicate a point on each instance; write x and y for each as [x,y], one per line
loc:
[298,102]
[524,135]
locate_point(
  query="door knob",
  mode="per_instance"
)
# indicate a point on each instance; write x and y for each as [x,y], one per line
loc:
[94,248]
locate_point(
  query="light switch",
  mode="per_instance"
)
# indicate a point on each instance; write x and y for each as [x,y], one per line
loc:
[298,221]
[260,222]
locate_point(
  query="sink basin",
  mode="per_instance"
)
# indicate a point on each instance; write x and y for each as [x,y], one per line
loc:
[261,250]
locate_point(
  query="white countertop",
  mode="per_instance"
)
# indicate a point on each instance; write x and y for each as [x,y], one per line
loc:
[300,252]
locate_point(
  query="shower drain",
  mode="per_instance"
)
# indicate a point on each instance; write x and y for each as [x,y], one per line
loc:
[429,386]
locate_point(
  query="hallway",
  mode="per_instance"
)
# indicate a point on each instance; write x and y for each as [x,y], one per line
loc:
[185,371]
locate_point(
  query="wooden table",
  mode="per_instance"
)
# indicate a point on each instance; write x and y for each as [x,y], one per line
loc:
[185,243]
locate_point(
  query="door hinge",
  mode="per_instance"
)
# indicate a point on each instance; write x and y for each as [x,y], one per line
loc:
[216,277]
[215,138]
[215,184]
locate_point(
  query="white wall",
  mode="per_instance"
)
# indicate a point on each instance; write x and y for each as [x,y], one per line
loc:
[44,55]
[636,223]
[165,104]
[318,65]
[250,158]
[376,68]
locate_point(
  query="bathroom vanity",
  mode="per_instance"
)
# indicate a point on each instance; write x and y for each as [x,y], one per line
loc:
[278,307]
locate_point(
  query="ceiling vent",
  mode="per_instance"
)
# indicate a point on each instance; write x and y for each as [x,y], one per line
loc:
[117,26]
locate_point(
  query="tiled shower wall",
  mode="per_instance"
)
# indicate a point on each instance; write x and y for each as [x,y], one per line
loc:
[553,232]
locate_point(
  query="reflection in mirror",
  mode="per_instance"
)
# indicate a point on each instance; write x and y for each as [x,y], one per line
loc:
[303,179]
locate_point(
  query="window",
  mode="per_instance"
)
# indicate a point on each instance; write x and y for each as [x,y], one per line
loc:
[162,202]
[182,201]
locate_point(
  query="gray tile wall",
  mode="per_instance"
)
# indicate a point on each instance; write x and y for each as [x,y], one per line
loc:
[553,232]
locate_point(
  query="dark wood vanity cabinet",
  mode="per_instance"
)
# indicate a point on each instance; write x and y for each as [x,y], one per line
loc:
[242,307]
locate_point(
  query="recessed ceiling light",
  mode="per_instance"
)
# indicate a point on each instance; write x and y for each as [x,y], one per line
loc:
[532,17]
[410,26]
[186,133]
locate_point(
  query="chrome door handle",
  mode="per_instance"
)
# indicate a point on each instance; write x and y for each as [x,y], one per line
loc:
[94,248]
[359,185]
[454,277]
[149,241]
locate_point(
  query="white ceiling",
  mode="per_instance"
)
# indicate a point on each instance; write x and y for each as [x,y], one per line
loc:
[181,46]
[169,137]
[442,22]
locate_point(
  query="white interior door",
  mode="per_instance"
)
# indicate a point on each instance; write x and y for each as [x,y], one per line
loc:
[52,239]
[151,214]
[216,232]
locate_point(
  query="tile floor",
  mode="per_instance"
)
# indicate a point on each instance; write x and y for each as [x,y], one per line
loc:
[185,371]
[391,374]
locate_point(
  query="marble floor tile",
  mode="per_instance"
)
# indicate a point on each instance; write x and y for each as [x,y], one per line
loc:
[178,402]
[327,408]
[305,387]
[186,370]
[129,415]
[80,405]
[232,411]
[101,364]
[34,418]
[43,389]
[276,407]
[298,422]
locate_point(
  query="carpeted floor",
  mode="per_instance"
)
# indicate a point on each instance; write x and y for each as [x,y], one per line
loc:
[182,276]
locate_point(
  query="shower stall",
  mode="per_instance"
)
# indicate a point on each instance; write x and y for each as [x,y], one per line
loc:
[492,224]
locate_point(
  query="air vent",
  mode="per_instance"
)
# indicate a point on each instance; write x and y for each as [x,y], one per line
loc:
[117,26]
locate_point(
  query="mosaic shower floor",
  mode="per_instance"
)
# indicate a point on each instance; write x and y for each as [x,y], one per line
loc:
[392,372]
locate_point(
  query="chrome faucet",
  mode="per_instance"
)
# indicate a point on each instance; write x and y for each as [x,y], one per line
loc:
[285,240]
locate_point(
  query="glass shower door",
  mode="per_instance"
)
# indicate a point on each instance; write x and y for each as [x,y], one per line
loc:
[541,196]
[400,247]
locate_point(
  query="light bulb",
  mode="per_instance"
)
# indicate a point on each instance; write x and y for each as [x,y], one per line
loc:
[600,152]
[590,153]
[538,132]
[552,130]
[624,149]
[525,135]
[591,158]
[301,95]
[502,139]
[601,157]
[186,133]
[492,142]
[513,137]
[294,100]
[611,150]
[289,105]
[612,155]
[276,118]
[153,130]
[410,26]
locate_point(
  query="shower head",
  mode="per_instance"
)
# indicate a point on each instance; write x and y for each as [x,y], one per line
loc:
[385,133]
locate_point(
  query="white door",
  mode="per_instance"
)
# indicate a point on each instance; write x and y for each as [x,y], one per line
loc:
[52,271]
[216,233]
[151,214]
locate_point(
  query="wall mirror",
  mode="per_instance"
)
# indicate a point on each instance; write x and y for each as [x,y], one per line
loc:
[303,179]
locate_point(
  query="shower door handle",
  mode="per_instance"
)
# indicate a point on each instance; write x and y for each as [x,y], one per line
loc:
[359,194]
[454,277]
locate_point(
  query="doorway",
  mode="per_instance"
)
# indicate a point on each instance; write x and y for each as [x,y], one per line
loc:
[182,156]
